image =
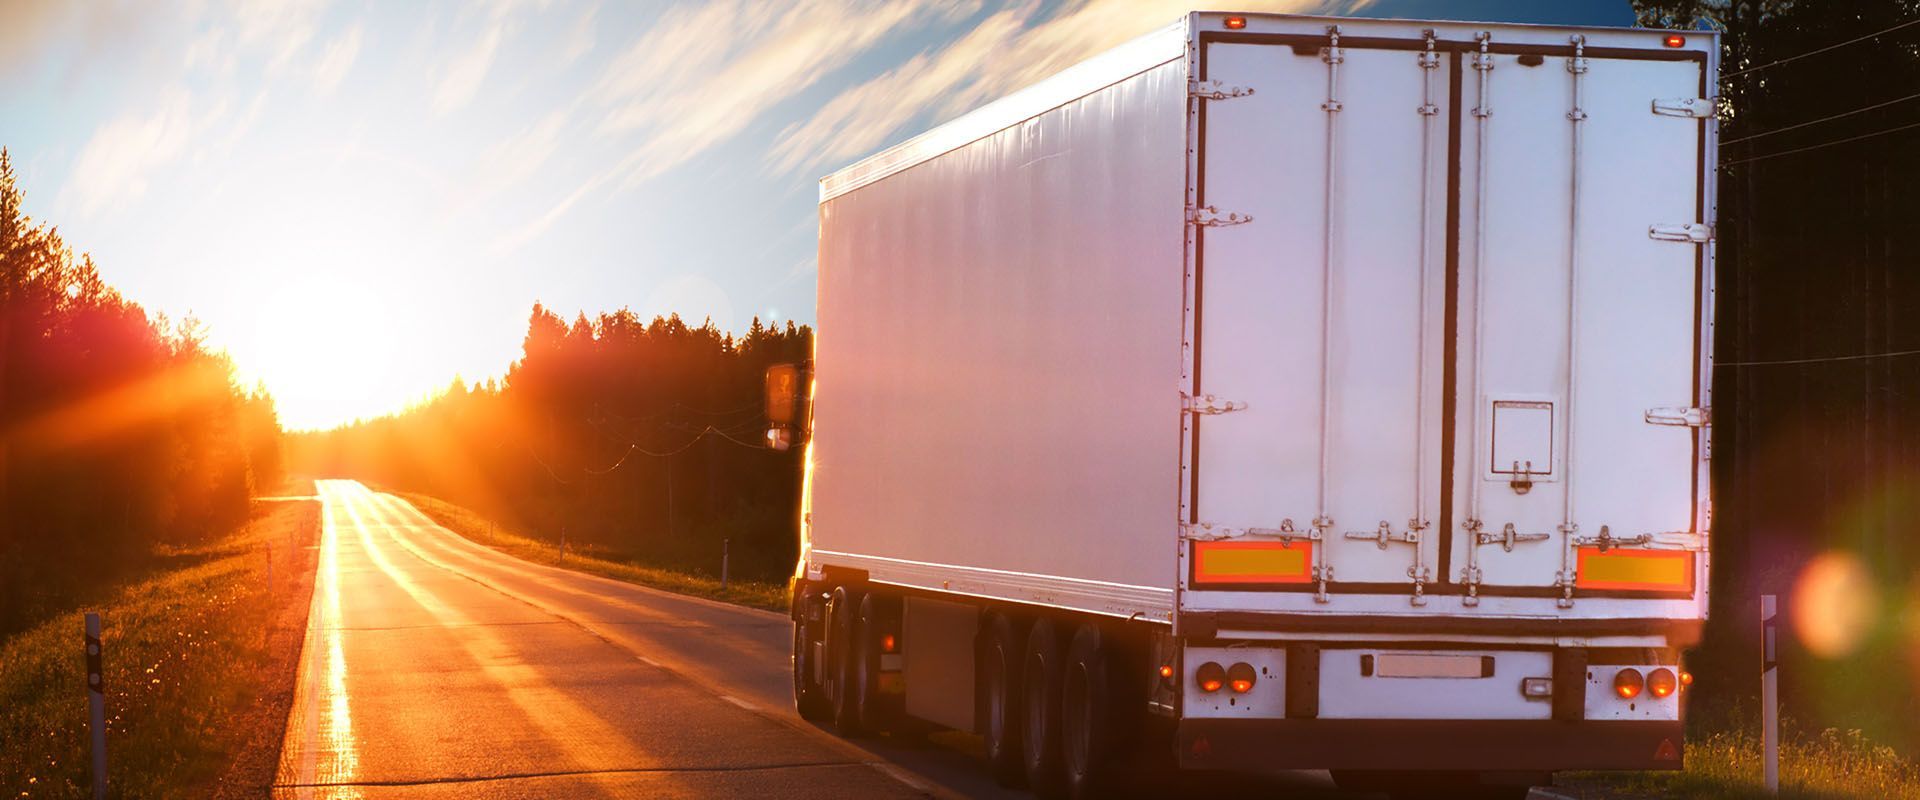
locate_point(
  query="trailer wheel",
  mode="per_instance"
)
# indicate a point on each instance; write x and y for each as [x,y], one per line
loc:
[1000,700]
[842,693]
[809,697]
[879,616]
[1088,717]
[1040,736]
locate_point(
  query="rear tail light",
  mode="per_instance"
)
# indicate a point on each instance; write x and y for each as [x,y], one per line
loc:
[1627,683]
[1236,23]
[1210,677]
[1686,678]
[1662,683]
[1166,670]
[1675,40]
[888,644]
[1240,678]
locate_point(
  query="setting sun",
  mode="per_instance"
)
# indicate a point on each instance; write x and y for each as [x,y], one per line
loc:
[330,352]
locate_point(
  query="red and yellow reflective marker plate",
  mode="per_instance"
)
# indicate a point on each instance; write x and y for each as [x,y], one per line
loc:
[1252,562]
[1634,570]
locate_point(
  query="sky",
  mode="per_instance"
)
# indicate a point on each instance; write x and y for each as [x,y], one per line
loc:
[361,201]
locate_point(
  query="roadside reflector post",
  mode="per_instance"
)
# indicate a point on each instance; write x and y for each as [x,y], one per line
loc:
[1769,693]
[97,705]
[725,545]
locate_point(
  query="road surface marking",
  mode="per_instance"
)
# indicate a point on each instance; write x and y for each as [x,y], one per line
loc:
[739,702]
[649,662]
[911,780]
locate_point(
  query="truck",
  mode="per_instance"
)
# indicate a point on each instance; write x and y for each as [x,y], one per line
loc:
[1273,392]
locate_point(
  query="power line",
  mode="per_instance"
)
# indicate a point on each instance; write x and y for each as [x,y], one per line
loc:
[1863,110]
[1910,126]
[1789,59]
[1820,360]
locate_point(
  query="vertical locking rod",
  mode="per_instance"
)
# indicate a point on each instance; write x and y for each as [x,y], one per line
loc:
[1429,64]
[1576,69]
[1323,521]
[1483,65]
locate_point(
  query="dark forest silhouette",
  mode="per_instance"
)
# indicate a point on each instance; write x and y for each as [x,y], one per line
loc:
[119,431]
[1816,419]
[642,438]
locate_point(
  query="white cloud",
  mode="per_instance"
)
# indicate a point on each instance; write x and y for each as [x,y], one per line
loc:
[114,164]
[465,72]
[1005,52]
[336,60]
[684,89]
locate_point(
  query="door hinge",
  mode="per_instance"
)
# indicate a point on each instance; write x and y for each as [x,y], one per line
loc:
[1695,232]
[1208,404]
[1215,90]
[1210,217]
[1688,416]
[1689,107]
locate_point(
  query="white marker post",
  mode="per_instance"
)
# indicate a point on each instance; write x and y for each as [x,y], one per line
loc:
[1769,694]
[97,706]
[725,545]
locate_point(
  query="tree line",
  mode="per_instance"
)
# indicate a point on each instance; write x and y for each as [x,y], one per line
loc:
[120,431]
[1816,391]
[643,438]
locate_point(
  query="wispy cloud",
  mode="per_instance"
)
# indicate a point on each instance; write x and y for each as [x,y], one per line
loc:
[465,71]
[336,60]
[114,164]
[1010,49]
[682,90]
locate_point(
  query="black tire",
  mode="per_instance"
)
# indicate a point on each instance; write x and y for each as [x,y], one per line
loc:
[809,697]
[1089,713]
[877,616]
[1001,720]
[1040,693]
[844,699]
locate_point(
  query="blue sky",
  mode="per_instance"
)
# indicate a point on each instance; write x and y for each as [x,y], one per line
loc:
[361,200]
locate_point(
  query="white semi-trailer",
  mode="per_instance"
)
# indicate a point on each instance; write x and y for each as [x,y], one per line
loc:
[1280,392]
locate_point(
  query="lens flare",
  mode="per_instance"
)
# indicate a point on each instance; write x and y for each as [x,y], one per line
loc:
[1834,605]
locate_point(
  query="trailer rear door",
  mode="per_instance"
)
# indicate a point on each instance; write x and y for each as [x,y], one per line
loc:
[1336,330]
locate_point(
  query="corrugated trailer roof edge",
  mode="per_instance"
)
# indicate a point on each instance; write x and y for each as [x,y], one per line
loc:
[1146,52]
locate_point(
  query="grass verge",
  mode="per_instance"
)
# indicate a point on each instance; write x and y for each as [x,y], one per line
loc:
[1828,765]
[199,676]
[473,526]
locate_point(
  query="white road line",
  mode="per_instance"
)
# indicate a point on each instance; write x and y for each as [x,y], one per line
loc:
[739,702]
[911,780]
[649,662]
[1543,793]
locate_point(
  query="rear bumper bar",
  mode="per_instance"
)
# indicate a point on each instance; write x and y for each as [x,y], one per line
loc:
[1367,744]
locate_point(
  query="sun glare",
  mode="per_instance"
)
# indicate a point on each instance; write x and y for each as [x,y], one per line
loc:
[329,350]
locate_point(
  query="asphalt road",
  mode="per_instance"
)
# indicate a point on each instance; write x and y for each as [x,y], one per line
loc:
[434,667]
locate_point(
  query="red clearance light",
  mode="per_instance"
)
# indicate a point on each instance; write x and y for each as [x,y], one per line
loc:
[1236,23]
[1627,683]
[1675,40]
[888,643]
[1662,683]
[1210,677]
[1686,678]
[1166,670]
[1240,677]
